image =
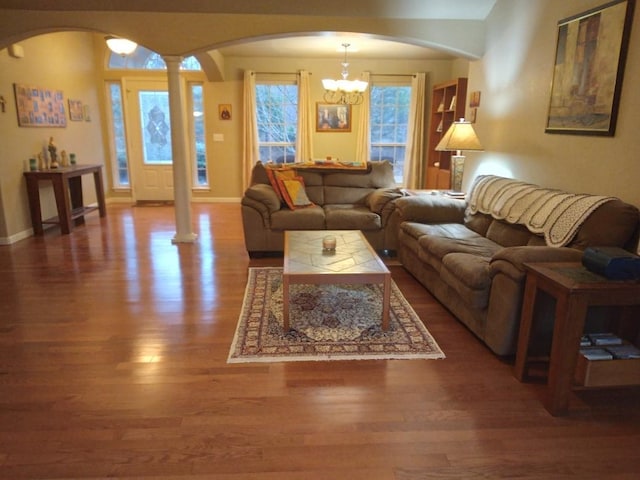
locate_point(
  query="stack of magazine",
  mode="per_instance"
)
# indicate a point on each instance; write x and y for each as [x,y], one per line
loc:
[606,346]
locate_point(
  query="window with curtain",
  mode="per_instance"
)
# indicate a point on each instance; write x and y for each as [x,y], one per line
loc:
[389,116]
[277,118]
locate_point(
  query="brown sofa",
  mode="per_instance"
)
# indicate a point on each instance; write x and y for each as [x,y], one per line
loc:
[472,260]
[342,200]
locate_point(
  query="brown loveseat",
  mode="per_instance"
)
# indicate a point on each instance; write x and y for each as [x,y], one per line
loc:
[342,200]
[470,254]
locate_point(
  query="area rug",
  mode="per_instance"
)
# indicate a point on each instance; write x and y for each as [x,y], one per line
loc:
[328,322]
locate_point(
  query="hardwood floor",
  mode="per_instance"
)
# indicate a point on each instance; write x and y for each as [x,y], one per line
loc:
[113,347]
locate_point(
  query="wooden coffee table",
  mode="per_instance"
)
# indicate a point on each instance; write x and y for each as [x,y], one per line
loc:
[354,261]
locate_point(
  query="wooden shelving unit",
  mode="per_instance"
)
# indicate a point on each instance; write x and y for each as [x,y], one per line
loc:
[447,105]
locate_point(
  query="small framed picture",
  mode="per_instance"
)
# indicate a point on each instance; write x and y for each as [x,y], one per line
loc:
[333,118]
[75,110]
[224,111]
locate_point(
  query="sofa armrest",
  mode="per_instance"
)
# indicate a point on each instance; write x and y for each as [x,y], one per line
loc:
[264,195]
[431,209]
[379,199]
[510,260]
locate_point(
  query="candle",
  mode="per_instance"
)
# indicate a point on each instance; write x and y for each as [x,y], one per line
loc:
[329,243]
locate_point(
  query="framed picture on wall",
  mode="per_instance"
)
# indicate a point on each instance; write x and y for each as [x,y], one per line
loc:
[587,80]
[333,118]
[224,111]
[39,107]
[75,110]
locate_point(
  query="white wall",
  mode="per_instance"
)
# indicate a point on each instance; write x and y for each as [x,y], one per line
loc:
[60,61]
[515,76]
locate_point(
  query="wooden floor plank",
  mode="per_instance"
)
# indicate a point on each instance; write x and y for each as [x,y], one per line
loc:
[113,348]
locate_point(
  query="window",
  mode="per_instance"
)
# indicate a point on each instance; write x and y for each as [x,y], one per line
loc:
[145,59]
[388,122]
[198,137]
[118,137]
[277,114]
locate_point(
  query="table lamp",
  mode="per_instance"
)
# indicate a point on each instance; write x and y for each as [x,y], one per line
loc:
[460,136]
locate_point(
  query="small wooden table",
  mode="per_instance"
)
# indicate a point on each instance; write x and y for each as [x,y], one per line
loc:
[353,262]
[575,289]
[67,188]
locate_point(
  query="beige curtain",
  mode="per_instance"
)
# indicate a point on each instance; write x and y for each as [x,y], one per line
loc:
[415,135]
[304,140]
[363,145]
[250,152]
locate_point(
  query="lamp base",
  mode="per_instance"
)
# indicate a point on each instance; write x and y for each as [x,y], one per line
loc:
[457,170]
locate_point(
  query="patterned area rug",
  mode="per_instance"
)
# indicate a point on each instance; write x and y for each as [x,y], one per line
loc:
[328,322]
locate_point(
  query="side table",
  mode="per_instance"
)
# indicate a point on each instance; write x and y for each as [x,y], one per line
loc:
[67,188]
[575,289]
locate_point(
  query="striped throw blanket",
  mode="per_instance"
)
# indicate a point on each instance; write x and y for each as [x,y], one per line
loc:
[553,213]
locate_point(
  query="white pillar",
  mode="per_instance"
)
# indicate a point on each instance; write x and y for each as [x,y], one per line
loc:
[181,183]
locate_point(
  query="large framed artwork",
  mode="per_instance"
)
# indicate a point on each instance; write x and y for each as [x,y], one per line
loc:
[39,107]
[333,117]
[587,79]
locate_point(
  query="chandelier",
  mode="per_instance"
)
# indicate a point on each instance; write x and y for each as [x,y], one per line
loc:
[343,91]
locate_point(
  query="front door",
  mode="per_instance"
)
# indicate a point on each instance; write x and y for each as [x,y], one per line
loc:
[149,131]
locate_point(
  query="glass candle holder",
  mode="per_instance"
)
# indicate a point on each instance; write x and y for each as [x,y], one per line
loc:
[329,243]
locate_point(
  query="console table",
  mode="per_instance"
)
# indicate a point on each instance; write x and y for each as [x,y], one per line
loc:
[575,289]
[67,188]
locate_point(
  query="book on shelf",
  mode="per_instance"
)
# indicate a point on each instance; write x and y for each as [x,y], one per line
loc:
[595,353]
[625,351]
[441,107]
[453,103]
[584,341]
[439,129]
[604,339]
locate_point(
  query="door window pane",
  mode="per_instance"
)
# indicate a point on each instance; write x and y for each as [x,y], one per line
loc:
[154,122]
[198,137]
[119,139]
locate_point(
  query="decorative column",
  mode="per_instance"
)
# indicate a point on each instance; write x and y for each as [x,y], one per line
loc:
[181,183]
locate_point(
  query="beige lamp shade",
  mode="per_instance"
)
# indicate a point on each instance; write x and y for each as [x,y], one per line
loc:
[460,136]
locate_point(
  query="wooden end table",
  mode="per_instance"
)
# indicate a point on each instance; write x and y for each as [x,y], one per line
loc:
[575,289]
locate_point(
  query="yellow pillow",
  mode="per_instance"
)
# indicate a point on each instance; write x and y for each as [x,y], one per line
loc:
[294,193]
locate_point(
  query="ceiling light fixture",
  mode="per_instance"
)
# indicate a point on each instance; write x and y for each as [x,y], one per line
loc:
[343,91]
[121,46]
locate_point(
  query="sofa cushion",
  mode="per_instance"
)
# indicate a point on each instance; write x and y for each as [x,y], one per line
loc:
[447,230]
[351,217]
[473,244]
[311,218]
[510,235]
[377,199]
[468,274]
[614,223]
[259,174]
[346,195]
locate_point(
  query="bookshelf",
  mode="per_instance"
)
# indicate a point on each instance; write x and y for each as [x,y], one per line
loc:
[447,105]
